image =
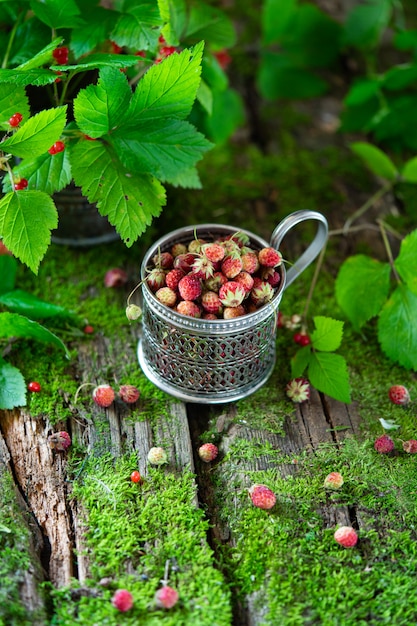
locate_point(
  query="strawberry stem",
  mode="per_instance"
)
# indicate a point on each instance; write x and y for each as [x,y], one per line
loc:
[383,230]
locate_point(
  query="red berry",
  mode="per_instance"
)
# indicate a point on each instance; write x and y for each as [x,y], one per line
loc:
[129,394]
[262,496]
[103,395]
[116,49]
[410,446]
[61,55]
[115,277]
[166,597]
[269,257]
[188,308]
[208,452]
[15,119]
[58,146]
[223,58]
[34,386]
[297,337]
[232,294]
[21,184]
[398,394]
[346,536]
[135,477]
[88,329]
[304,340]
[190,287]
[122,600]
[59,441]
[384,444]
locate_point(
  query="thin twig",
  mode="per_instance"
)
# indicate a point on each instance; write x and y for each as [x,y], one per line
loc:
[367,205]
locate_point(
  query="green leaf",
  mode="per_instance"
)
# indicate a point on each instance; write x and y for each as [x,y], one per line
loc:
[377,161]
[277,17]
[158,147]
[362,91]
[8,268]
[12,386]
[169,88]
[98,61]
[400,76]
[300,361]
[205,97]
[99,108]
[139,27]
[38,134]
[406,261]
[42,57]
[187,179]
[208,23]
[15,325]
[227,115]
[328,373]
[57,13]
[279,79]
[409,171]
[174,16]
[26,221]
[21,78]
[49,173]
[130,201]
[328,333]
[362,287]
[19,301]
[12,100]
[366,22]
[397,328]
[96,28]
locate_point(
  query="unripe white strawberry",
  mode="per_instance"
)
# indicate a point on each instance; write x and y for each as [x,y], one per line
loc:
[103,395]
[157,456]
[166,296]
[334,480]
[133,312]
[188,308]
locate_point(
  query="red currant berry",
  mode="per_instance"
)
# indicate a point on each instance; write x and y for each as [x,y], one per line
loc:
[166,51]
[116,49]
[21,184]
[135,477]
[34,386]
[58,146]
[61,55]
[15,119]
[304,340]
[88,329]
[297,337]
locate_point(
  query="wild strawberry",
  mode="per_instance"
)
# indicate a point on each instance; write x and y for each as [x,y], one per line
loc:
[166,296]
[58,146]
[334,480]
[261,292]
[271,276]
[88,329]
[346,536]
[384,444]
[184,262]
[195,246]
[135,477]
[133,312]
[211,303]
[208,452]
[122,600]
[398,394]
[166,51]
[61,55]
[155,279]
[215,282]
[269,257]
[15,119]
[245,279]
[223,58]
[20,184]
[304,340]
[250,262]
[232,266]
[298,389]
[166,597]
[173,278]
[115,277]
[202,267]
[214,251]
[190,287]
[293,322]
[163,260]
[188,308]
[115,48]
[262,496]
[410,446]
[34,386]
[59,441]
[231,294]
[209,316]
[103,395]
[178,248]
[231,312]
[157,456]
[129,393]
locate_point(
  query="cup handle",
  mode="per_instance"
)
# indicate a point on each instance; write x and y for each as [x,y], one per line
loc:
[313,249]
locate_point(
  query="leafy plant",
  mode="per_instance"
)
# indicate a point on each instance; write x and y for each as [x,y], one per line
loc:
[114,87]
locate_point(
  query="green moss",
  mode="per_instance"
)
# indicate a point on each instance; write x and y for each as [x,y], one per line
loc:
[144,526]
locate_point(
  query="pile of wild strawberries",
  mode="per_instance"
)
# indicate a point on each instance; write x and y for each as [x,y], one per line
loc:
[221,279]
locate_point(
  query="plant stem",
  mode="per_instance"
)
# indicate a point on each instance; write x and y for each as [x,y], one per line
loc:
[384,236]
[314,282]
[10,42]
[367,205]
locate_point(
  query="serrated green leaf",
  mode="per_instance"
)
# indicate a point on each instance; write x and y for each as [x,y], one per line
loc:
[57,13]
[169,88]
[99,108]
[208,23]
[160,147]
[130,201]
[327,335]
[38,134]
[362,287]
[187,179]
[377,161]
[397,328]
[409,171]
[98,61]
[21,78]
[328,373]
[42,57]
[406,261]
[49,173]
[26,221]
[205,97]
[8,268]
[138,28]
[15,325]
[12,100]
[300,361]
[12,386]
[174,17]
[19,301]
[98,23]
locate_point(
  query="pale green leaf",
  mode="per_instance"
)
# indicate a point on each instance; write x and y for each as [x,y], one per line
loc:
[42,57]
[300,361]
[26,220]
[327,335]
[406,261]
[12,100]
[409,171]
[15,325]
[138,28]
[130,201]
[328,373]
[362,287]
[397,328]
[169,88]
[38,134]
[12,388]
[21,78]
[57,13]
[377,161]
